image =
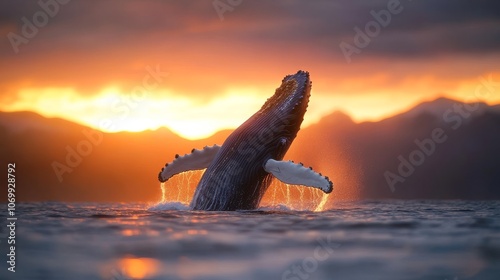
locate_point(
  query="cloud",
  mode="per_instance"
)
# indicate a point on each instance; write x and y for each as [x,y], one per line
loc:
[265,22]
[88,46]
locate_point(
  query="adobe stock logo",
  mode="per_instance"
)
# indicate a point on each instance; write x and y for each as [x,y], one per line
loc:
[40,19]
[310,264]
[122,105]
[452,119]
[75,156]
[221,7]
[363,38]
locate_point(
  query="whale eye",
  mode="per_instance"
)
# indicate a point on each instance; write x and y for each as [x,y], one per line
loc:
[283,141]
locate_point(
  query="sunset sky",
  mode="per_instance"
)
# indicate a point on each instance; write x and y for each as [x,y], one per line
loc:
[197,67]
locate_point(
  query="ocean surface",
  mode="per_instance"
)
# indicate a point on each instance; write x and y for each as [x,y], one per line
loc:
[354,240]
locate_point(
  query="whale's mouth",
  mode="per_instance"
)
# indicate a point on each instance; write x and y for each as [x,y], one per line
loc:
[292,97]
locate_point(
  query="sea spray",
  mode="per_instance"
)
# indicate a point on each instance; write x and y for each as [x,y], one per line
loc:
[176,194]
[321,205]
[162,187]
[163,206]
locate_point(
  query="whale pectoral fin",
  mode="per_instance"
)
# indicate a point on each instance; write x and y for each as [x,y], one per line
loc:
[296,174]
[196,160]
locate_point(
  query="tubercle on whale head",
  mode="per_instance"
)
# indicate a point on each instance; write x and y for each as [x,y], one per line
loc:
[292,95]
[289,103]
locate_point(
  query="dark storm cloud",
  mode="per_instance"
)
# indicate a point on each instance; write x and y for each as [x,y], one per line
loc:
[86,37]
[423,27]
[436,27]
[104,23]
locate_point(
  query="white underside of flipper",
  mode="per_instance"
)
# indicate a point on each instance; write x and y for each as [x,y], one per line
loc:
[196,160]
[296,174]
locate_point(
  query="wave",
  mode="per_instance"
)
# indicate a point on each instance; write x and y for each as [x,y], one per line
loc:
[170,205]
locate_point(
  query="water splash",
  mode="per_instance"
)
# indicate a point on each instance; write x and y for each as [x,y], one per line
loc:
[170,205]
[322,203]
[294,197]
[162,187]
[176,194]
[163,204]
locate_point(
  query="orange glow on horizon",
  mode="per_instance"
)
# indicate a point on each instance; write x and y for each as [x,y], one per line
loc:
[113,110]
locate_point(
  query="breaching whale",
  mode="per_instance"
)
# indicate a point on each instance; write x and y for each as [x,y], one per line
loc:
[239,172]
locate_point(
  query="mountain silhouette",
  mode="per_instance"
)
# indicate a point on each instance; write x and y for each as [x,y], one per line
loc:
[384,160]
[443,149]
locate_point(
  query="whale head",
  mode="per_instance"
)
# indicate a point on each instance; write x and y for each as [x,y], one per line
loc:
[277,123]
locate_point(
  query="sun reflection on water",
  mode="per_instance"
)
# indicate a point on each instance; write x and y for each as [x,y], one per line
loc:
[139,268]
